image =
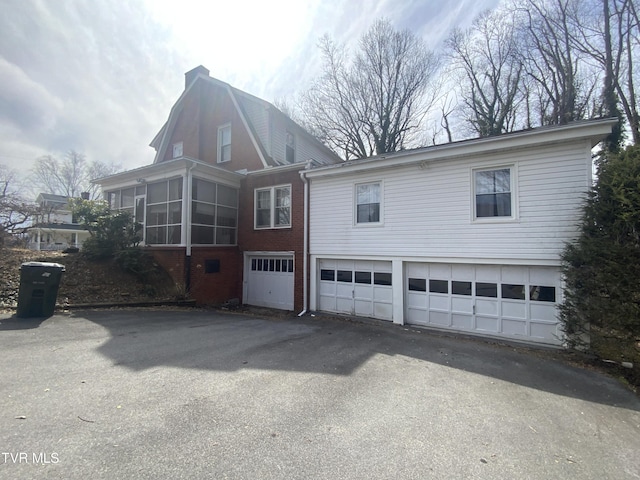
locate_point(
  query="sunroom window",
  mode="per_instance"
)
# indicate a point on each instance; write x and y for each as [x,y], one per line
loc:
[164,213]
[214,214]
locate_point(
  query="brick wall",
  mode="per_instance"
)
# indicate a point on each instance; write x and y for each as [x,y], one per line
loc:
[275,240]
[216,274]
[207,288]
[206,107]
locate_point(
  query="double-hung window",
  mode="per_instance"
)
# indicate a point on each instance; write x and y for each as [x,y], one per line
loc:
[493,193]
[368,200]
[273,207]
[224,143]
[290,154]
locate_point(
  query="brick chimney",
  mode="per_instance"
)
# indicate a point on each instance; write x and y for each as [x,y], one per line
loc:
[191,75]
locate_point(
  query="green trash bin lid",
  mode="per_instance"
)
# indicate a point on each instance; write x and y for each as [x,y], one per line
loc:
[42,265]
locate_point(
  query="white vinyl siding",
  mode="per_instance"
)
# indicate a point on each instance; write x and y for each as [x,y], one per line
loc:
[428,211]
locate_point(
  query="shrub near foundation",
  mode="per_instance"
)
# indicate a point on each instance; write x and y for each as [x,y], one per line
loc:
[601,310]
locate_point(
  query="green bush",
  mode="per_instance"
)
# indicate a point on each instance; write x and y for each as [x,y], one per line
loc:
[601,308]
[137,262]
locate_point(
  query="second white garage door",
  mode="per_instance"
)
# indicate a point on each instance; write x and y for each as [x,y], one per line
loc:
[516,302]
[269,281]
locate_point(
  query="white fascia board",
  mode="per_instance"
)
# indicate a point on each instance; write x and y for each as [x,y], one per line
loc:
[246,126]
[168,169]
[279,169]
[593,130]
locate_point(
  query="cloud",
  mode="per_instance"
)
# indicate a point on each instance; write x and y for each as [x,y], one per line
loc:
[25,102]
[96,77]
[100,77]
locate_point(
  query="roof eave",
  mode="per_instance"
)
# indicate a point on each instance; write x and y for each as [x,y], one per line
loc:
[593,130]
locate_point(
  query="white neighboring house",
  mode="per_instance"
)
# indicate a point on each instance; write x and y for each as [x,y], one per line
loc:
[54,229]
[465,236]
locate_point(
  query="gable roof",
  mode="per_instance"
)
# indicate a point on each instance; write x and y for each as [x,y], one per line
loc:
[249,108]
[51,198]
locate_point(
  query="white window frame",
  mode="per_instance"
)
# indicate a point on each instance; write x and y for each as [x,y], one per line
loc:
[288,134]
[177,150]
[513,175]
[221,130]
[272,207]
[381,205]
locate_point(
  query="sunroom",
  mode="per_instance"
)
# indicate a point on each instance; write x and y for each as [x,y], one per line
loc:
[155,194]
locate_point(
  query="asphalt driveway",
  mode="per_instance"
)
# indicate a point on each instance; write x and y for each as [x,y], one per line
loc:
[198,394]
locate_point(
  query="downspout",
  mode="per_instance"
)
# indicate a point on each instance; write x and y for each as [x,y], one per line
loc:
[187,223]
[305,241]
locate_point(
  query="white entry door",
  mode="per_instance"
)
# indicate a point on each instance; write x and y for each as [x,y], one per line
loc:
[269,281]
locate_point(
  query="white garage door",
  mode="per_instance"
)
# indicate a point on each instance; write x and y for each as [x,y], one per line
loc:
[356,287]
[505,301]
[269,281]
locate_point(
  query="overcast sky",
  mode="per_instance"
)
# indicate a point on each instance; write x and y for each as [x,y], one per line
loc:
[100,76]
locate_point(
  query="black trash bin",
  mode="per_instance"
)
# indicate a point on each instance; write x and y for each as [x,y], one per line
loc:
[39,282]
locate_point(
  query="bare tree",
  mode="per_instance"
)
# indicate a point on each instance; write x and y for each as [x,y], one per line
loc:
[491,69]
[611,38]
[557,80]
[375,103]
[70,176]
[15,212]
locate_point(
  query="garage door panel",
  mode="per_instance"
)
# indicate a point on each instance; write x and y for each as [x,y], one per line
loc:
[487,324]
[327,288]
[543,311]
[487,307]
[488,274]
[383,294]
[344,290]
[542,276]
[363,292]
[344,305]
[416,300]
[417,270]
[328,303]
[363,307]
[439,302]
[439,318]
[463,322]
[383,311]
[511,274]
[514,310]
[544,330]
[440,271]
[514,327]
[462,272]
[463,305]
[417,316]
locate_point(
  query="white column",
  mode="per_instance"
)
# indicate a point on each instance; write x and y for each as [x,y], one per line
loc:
[398,291]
